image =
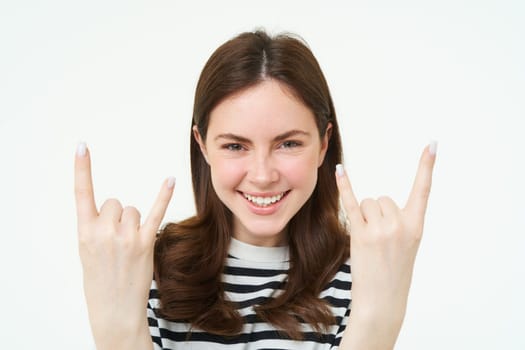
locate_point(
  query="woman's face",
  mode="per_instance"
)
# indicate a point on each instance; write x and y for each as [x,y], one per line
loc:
[263,148]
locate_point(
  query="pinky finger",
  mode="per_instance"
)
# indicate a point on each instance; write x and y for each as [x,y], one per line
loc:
[157,212]
[350,203]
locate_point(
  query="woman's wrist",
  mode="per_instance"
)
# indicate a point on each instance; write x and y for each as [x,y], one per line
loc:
[384,308]
[129,338]
[373,326]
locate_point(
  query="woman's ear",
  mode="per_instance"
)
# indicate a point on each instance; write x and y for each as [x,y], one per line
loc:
[200,141]
[325,141]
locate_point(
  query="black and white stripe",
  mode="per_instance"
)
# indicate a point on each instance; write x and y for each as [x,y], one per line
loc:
[251,276]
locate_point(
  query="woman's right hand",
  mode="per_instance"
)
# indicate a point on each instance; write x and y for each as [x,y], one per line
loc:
[384,243]
[116,252]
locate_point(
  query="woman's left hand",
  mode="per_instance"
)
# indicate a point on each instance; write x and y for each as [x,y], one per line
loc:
[384,244]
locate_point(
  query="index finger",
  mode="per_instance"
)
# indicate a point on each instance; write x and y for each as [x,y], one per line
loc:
[84,196]
[350,203]
[418,198]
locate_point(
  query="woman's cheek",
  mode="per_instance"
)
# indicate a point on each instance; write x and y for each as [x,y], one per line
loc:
[300,171]
[227,172]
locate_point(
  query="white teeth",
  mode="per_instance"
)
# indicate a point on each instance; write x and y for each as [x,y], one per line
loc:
[263,201]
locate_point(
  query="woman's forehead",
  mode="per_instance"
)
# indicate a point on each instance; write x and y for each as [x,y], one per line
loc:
[268,108]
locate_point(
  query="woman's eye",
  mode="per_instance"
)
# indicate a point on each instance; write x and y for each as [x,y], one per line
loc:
[290,144]
[233,147]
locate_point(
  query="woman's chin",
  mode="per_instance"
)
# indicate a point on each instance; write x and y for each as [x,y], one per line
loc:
[263,237]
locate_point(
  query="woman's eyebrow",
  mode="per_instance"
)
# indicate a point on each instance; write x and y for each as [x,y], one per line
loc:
[281,137]
[291,133]
[230,136]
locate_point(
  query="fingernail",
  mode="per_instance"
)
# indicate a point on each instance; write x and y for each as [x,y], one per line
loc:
[81,149]
[171,182]
[339,170]
[432,148]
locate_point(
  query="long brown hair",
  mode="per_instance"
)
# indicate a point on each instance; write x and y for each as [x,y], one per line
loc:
[190,255]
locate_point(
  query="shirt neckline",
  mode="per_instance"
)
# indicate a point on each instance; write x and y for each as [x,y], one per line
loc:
[249,252]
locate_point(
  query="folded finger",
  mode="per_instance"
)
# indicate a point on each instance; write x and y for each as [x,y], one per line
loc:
[111,211]
[371,211]
[130,218]
[389,208]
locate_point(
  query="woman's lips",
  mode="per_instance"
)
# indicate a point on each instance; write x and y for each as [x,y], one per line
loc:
[264,204]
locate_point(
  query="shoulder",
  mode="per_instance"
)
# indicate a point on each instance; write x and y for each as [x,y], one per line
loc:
[344,276]
[153,298]
[340,284]
[344,272]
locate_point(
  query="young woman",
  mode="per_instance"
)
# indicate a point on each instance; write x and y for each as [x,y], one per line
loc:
[264,263]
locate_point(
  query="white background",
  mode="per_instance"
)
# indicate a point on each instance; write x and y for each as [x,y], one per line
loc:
[121,76]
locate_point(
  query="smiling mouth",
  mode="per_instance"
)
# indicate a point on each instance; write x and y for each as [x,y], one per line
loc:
[265,201]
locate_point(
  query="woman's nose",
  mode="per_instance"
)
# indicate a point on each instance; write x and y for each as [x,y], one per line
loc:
[262,170]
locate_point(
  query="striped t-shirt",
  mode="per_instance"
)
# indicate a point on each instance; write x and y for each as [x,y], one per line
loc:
[252,275]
